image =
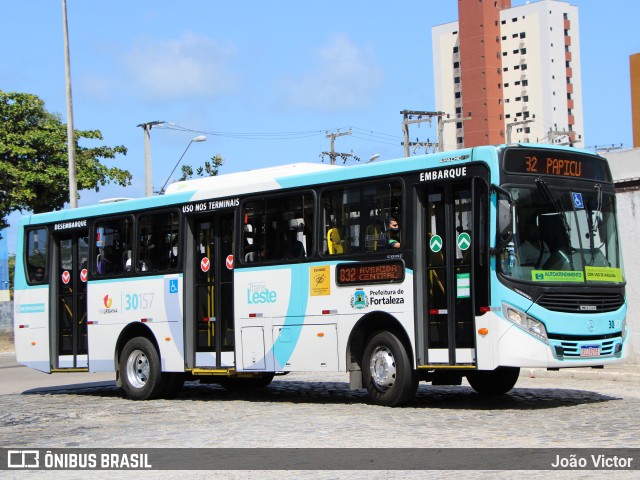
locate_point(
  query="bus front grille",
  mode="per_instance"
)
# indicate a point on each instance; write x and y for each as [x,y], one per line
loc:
[572,349]
[581,302]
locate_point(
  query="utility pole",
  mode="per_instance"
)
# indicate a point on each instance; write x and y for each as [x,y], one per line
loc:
[407,119]
[71,142]
[511,125]
[441,122]
[606,149]
[332,153]
[553,134]
[426,145]
[148,190]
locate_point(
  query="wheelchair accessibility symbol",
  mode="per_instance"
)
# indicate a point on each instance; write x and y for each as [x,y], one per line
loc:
[173,286]
[577,200]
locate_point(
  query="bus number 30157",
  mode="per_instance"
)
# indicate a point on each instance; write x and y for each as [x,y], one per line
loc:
[135,301]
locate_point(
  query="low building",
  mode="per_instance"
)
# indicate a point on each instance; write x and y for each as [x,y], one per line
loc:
[625,168]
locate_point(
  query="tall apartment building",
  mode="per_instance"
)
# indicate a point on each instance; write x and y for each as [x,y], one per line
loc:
[515,71]
[634,70]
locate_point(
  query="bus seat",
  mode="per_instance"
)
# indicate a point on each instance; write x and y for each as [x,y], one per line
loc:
[333,241]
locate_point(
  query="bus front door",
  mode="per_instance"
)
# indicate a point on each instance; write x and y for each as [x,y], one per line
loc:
[213,325]
[454,228]
[69,292]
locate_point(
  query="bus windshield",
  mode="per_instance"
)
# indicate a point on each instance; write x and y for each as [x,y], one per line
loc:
[563,235]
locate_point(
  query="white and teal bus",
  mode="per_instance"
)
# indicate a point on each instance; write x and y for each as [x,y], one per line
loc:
[505,257]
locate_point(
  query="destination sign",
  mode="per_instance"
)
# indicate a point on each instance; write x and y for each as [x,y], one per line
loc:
[556,163]
[365,273]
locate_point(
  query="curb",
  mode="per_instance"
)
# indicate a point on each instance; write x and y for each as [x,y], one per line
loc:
[620,373]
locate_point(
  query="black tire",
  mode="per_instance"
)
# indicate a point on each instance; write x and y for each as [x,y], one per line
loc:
[493,382]
[140,371]
[244,384]
[173,383]
[387,372]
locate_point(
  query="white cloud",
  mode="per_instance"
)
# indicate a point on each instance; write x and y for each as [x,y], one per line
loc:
[99,87]
[344,76]
[191,66]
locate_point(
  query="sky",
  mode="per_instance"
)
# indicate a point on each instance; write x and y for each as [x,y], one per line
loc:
[265,82]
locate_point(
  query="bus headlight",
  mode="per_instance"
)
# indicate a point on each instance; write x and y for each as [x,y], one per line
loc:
[524,321]
[624,328]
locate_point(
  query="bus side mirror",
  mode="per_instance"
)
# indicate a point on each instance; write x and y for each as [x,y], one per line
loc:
[504,217]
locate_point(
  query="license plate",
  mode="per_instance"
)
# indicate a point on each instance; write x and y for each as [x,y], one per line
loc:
[589,351]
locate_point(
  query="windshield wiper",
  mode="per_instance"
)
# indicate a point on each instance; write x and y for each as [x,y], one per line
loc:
[595,225]
[592,221]
[559,209]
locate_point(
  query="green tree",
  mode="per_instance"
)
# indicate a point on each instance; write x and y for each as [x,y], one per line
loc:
[210,169]
[34,168]
[12,269]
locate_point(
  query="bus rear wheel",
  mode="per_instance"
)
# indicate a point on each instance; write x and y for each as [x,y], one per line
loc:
[387,372]
[140,371]
[493,382]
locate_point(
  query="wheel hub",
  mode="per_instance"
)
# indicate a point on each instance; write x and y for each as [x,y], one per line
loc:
[138,369]
[383,368]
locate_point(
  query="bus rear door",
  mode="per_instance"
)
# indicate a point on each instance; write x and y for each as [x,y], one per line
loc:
[69,294]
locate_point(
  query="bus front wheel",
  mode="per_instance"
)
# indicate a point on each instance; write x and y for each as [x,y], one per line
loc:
[387,372]
[493,382]
[140,371]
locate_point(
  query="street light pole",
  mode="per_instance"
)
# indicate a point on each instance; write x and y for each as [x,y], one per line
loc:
[71,142]
[199,138]
[148,190]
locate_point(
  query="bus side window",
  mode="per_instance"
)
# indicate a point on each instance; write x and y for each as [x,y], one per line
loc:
[355,217]
[157,242]
[113,241]
[36,248]
[276,228]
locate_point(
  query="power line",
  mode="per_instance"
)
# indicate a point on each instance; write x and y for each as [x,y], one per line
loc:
[395,143]
[361,133]
[377,134]
[249,135]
